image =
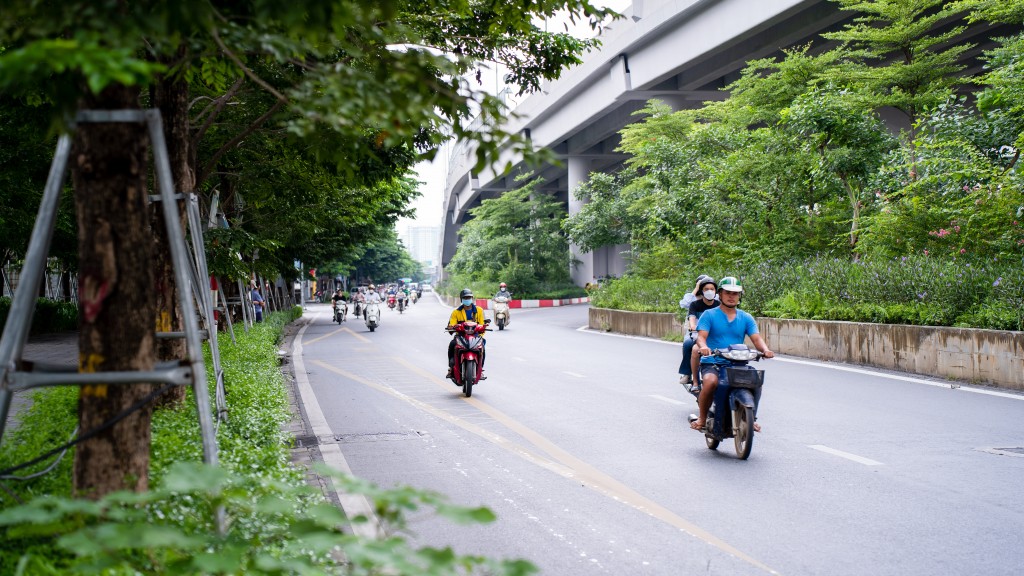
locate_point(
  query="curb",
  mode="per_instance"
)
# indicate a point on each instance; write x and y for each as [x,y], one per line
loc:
[310,427]
[485,303]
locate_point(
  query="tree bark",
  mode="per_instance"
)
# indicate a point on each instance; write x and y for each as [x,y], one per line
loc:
[170,95]
[116,310]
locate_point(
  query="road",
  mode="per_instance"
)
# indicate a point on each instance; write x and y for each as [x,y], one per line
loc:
[578,441]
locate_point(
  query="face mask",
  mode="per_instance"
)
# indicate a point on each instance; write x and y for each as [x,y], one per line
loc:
[709,294]
[467,302]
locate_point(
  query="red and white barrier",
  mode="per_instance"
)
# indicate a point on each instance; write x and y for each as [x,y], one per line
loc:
[486,304]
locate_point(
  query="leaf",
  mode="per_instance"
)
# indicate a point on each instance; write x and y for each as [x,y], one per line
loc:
[463,515]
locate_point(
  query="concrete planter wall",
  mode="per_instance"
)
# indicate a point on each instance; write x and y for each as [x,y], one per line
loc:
[984,356]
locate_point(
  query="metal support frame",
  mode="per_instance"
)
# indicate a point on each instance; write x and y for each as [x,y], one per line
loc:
[188,371]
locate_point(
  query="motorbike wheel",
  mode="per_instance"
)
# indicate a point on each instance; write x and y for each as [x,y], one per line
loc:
[372,328]
[744,438]
[712,442]
[468,376]
[501,324]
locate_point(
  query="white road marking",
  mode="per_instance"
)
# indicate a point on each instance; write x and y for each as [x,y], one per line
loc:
[847,455]
[669,400]
[573,374]
[949,385]
[353,504]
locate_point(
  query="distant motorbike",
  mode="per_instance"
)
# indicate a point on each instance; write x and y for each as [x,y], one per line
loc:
[501,314]
[340,311]
[392,301]
[358,309]
[371,315]
[414,296]
[469,350]
[401,305]
[734,407]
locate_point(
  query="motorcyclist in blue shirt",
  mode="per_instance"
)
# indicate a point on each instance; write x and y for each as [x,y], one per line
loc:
[719,328]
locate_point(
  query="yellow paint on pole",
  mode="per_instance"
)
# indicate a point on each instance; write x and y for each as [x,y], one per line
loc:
[88,364]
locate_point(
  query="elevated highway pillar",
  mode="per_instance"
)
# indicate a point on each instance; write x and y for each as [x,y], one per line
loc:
[578,173]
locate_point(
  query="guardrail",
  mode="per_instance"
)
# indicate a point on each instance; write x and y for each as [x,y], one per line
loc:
[994,357]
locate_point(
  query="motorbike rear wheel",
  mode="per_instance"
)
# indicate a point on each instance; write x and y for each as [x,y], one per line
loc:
[712,442]
[468,377]
[744,439]
[372,327]
[501,324]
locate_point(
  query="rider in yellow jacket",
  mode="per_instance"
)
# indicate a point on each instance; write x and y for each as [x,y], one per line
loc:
[467,310]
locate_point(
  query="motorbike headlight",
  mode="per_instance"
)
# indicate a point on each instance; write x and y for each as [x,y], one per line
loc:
[740,355]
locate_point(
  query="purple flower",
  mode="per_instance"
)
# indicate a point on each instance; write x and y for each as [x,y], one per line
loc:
[997,282]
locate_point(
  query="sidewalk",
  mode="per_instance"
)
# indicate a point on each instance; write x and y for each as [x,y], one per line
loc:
[59,349]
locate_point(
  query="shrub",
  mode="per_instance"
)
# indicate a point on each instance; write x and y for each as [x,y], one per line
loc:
[50,315]
[278,525]
[921,290]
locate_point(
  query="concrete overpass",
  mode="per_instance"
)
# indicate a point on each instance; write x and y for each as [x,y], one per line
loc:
[680,51]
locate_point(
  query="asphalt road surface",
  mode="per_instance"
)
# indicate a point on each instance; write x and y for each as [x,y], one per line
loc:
[579,442]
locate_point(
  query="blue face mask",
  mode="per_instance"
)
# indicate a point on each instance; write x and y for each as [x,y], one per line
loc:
[467,302]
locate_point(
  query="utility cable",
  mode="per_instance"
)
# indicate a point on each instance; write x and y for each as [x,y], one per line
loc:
[94,432]
[49,468]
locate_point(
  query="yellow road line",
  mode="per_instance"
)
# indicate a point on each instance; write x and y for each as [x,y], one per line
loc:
[360,337]
[560,461]
[319,338]
[336,332]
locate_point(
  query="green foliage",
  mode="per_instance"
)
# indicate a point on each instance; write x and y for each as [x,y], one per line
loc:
[50,316]
[640,294]
[515,238]
[26,149]
[900,58]
[917,289]
[795,171]
[305,116]
[127,533]
[276,523]
[384,259]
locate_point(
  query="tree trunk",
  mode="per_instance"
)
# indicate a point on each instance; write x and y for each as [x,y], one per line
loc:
[116,311]
[170,95]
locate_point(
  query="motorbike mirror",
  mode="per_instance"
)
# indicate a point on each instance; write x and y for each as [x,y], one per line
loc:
[487,321]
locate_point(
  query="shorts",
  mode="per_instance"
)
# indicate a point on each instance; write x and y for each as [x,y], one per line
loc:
[709,369]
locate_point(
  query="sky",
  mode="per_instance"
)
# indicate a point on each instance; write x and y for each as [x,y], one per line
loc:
[429,206]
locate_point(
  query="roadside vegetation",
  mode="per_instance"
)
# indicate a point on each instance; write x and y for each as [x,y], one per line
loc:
[50,315]
[276,524]
[797,186]
[514,238]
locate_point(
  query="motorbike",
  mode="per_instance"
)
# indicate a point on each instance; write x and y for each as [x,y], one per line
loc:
[469,349]
[371,315]
[391,301]
[401,305]
[501,315]
[358,311]
[414,297]
[340,311]
[734,407]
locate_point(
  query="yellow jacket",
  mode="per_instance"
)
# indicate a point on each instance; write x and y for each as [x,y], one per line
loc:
[459,315]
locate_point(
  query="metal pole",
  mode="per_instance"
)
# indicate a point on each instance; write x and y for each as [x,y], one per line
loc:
[178,255]
[19,319]
[227,311]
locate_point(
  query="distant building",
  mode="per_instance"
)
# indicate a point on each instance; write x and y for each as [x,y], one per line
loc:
[424,245]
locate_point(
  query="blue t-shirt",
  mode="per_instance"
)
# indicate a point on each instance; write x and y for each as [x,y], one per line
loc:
[722,333]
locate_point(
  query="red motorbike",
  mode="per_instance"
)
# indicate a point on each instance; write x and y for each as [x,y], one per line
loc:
[391,301]
[469,351]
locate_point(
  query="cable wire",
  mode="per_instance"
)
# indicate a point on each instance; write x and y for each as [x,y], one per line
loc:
[108,424]
[46,470]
